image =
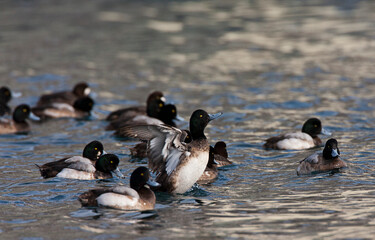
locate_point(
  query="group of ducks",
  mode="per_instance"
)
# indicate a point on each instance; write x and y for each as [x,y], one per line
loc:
[179,158]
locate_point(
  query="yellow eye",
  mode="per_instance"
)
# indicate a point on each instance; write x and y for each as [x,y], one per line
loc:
[96,149]
[111,162]
[24,110]
[142,174]
[160,104]
[200,115]
[315,125]
[173,111]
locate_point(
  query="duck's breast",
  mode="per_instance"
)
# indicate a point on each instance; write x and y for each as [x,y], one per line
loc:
[190,171]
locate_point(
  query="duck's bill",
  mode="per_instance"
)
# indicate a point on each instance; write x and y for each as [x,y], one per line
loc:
[152,183]
[16,94]
[216,162]
[34,117]
[214,116]
[118,173]
[179,118]
[326,132]
[163,99]
[87,91]
[334,153]
[104,152]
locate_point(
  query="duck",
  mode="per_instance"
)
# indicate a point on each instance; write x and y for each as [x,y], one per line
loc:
[80,109]
[92,151]
[79,90]
[307,138]
[178,165]
[136,197]
[18,123]
[5,97]
[140,149]
[82,168]
[210,173]
[154,103]
[328,160]
[220,154]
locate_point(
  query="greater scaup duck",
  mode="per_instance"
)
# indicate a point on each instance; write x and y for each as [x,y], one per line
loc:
[83,168]
[154,103]
[5,97]
[91,151]
[328,160]
[220,154]
[308,138]
[140,150]
[137,197]
[80,90]
[80,109]
[18,124]
[178,165]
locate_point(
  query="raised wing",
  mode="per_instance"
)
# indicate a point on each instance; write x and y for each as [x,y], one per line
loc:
[164,145]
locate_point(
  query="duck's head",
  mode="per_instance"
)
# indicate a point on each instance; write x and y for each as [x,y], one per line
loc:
[84,104]
[141,177]
[93,150]
[22,112]
[221,149]
[313,127]
[198,122]
[108,163]
[331,149]
[5,95]
[81,89]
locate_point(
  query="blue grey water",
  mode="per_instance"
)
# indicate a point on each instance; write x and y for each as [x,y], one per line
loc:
[268,65]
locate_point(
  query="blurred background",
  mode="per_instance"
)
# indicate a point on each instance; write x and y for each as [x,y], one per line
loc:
[268,65]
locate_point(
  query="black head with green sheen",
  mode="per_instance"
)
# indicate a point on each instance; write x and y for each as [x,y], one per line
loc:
[93,150]
[198,122]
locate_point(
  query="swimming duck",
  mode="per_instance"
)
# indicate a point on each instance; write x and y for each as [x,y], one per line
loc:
[91,151]
[83,168]
[5,97]
[178,165]
[328,160]
[69,97]
[18,124]
[308,138]
[220,154]
[80,109]
[155,102]
[137,197]
[140,150]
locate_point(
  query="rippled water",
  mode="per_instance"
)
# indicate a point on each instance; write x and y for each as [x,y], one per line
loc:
[268,65]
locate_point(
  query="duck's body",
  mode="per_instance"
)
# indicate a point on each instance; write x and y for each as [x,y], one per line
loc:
[18,123]
[137,197]
[80,90]
[154,103]
[220,154]
[80,109]
[328,160]
[178,165]
[82,168]
[307,138]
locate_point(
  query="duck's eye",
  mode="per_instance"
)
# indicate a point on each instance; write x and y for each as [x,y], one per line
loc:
[96,149]
[142,174]
[173,111]
[111,162]
[315,125]
[24,110]
[160,105]
[90,104]
[7,93]
[201,116]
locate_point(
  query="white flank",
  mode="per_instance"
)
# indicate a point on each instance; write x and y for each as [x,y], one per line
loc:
[296,141]
[75,174]
[191,172]
[63,106]
[119,201]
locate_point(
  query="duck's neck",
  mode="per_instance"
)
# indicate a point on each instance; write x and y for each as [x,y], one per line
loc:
[197,134]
